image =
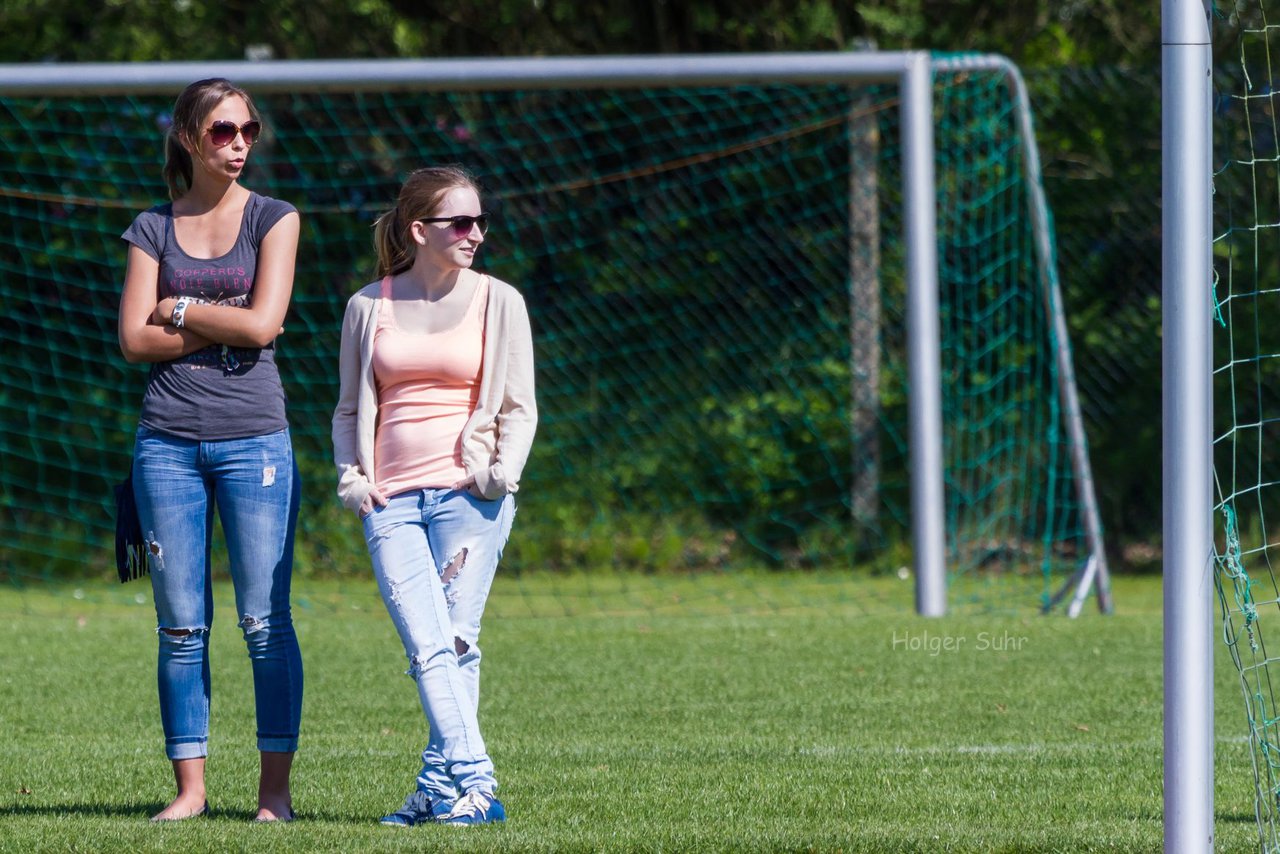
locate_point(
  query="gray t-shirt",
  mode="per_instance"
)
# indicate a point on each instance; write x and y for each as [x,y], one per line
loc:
[218,392]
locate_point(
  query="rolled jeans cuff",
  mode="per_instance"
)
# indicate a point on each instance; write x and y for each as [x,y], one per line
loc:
[186,748]
[278,744]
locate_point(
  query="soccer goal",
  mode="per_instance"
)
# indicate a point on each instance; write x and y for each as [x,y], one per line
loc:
[792,309]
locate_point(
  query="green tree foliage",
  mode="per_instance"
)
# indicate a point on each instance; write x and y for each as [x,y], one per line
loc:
[1095,149]
[1032,32]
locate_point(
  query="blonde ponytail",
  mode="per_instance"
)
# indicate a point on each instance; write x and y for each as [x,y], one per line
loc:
[391,242]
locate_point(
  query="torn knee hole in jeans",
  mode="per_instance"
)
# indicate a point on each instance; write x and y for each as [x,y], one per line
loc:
[179,633]
[419,662]
[416,665]
[453,567]
[154,550]
[251,623]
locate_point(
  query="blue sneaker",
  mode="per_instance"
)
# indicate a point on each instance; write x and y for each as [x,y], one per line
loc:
[419,808]
[475,808]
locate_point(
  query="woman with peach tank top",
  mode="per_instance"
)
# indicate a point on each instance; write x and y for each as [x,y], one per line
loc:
[435,419]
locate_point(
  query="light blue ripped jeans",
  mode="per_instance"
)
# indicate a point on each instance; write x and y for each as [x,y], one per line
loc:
[254,484]
[435,552]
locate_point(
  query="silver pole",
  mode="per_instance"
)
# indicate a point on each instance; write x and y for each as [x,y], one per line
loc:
[928,523]
[1188,424]
[1062,351]
[1096,565]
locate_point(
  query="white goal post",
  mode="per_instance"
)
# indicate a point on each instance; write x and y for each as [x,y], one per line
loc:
[1187,78]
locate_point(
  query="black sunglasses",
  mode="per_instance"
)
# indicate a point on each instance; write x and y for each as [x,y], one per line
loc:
[223,133]
[462,225]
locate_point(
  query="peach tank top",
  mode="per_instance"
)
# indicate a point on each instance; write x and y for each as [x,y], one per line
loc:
[428,386]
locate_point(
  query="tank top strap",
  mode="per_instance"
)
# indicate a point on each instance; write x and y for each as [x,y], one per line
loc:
[384,306]
[480,302]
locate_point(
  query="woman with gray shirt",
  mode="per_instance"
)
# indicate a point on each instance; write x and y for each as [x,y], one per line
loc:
[207,285]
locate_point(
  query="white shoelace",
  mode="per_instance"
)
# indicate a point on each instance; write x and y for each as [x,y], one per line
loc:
[470,804]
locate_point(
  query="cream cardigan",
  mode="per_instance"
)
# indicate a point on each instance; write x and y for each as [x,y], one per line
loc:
[496,438]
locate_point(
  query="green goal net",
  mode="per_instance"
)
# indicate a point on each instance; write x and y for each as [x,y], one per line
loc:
[1247,382]
[715,277]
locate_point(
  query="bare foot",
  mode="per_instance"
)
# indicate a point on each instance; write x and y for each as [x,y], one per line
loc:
[281,813]
[183,807]
[191,800]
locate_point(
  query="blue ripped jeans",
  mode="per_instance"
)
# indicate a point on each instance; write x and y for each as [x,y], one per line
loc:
[435,552]
[254,484]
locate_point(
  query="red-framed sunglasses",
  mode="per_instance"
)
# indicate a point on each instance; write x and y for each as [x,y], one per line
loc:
[223,133]
[462,225]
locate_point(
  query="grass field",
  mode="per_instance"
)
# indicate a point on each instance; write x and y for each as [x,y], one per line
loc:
[711,714]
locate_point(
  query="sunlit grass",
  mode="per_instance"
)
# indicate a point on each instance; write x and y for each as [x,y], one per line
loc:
[766,712]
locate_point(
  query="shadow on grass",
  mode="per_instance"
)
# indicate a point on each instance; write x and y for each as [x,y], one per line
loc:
[1225,817]
[100,810]
[144,811]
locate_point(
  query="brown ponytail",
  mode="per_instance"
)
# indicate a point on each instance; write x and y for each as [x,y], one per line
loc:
[177,166]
